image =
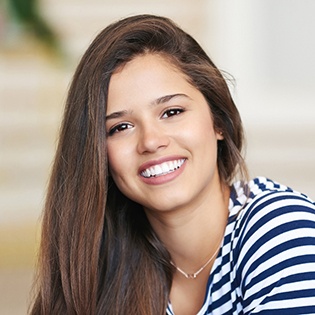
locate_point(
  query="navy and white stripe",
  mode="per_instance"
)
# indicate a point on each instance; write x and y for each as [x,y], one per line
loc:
[266,264]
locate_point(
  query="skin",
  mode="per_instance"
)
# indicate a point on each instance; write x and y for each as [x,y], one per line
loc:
[154,115]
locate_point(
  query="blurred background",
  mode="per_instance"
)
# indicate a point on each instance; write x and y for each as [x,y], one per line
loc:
[267,46]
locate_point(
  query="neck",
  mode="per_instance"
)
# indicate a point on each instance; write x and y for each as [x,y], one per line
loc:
[193,235]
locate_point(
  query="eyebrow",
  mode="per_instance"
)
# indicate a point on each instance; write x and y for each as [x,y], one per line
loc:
[167,98]
[158,101]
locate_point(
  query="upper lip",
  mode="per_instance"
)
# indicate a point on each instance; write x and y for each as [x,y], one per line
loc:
[150,163]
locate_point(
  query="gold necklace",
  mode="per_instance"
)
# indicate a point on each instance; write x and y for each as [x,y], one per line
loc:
[194,275]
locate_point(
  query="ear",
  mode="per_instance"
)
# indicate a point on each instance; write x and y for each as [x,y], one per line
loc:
[219,135]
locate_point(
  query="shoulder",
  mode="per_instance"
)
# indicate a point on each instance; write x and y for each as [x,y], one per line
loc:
[273,209]
[275,240]
[263,200]
[266,209]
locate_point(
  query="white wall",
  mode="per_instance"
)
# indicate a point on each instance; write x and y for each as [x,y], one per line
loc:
[269,47]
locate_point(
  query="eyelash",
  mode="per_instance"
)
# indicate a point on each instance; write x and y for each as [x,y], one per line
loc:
[124,126]
[118,128]
[173,112]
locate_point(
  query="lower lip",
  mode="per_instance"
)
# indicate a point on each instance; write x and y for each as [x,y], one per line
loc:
[162,179]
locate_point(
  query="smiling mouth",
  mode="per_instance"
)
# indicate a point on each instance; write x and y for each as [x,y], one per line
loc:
[163,168]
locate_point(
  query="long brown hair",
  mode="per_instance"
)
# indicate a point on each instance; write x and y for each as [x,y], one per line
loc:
[99,254]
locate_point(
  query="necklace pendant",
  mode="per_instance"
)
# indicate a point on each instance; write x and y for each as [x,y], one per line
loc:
[194,275]
[191,276]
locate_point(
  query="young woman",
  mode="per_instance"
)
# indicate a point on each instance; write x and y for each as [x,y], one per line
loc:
[143,213]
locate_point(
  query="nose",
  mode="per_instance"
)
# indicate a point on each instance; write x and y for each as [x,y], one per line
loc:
[151,139]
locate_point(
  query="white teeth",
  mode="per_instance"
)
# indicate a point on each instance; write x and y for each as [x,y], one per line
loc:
[163,168]
[172,165]
[158,169]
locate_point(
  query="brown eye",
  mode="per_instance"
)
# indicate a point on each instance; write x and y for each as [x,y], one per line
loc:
[172,112]
[119,128]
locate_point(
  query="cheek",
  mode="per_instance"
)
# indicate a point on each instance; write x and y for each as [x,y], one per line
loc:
[114,161]
[119,159]
[199,131]
[116,171]
[119,169]
[203,139]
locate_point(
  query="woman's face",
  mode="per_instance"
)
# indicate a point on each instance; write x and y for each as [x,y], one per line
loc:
[162,146]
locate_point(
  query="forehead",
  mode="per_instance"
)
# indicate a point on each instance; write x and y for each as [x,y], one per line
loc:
[146,78]
[145,70]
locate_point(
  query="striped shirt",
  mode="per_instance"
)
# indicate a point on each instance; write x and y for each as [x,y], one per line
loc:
[266,264]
